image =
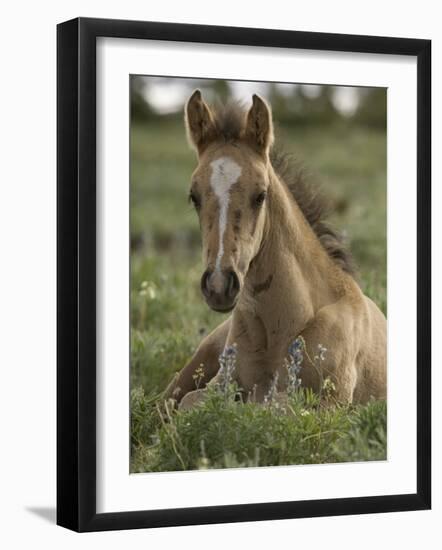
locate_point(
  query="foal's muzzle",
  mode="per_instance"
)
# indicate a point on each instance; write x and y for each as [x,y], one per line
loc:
[221,289]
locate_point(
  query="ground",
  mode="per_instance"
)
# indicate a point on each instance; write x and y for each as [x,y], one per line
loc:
[169,317]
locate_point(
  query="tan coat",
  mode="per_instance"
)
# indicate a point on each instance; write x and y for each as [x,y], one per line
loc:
[265,263]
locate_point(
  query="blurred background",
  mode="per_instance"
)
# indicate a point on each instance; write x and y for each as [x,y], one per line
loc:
[339,135]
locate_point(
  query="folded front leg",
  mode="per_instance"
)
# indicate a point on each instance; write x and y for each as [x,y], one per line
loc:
[206,359]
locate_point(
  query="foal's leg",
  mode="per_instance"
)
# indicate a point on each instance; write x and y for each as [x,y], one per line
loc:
[336,328]
[206,356]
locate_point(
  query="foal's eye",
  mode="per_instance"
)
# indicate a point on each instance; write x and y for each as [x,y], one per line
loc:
[259,198]
[194,199]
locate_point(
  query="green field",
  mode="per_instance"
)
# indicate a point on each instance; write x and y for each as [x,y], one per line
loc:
[169,317]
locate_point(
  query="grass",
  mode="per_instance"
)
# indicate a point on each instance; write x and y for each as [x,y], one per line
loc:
[169,318]
[226,433]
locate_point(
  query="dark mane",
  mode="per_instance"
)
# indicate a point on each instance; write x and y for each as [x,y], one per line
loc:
[314,206]
[230,121]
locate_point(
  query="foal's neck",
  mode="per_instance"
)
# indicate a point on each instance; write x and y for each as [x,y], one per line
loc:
[292,276]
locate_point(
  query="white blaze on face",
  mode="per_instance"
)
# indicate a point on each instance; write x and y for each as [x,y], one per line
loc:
[225,172]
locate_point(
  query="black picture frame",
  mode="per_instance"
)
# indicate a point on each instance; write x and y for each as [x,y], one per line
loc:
[76,273]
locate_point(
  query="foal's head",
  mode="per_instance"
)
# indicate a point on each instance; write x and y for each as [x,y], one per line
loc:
[229,190]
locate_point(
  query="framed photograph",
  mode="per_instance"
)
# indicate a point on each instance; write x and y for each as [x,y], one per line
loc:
[243,274]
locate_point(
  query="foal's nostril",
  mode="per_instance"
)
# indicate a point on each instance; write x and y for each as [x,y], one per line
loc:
[220,288]
[232,287]
[205,283]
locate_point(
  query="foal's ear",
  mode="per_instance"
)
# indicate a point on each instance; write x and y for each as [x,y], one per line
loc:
[200,124]
[259,126]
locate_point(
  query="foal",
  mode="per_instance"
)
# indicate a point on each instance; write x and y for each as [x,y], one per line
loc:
[272,261]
